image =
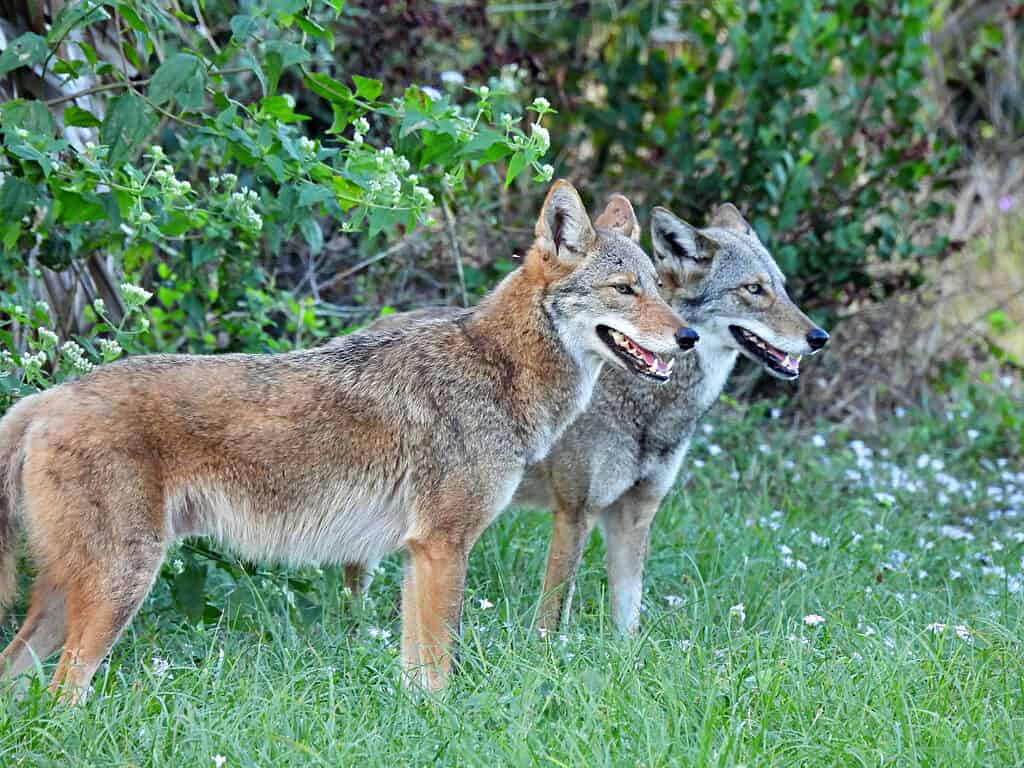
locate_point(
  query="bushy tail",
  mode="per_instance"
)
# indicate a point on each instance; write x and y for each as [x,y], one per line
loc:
[12,438]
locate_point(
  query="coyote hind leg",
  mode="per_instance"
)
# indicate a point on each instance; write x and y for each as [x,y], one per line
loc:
[40,634]
[97,613]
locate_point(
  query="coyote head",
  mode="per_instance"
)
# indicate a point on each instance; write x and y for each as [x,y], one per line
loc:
[601,289]
[732,291]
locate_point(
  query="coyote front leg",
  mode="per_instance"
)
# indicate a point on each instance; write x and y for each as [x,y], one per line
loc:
[570,530]
[627,526]
[432,592]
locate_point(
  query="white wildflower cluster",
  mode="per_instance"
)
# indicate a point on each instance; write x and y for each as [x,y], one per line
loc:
[546,172]
[362,127]
[76,356]
[308,147]
[169,183]
[100,307]
[47,338]
[110,349]
[378,634]
[134,296]
[814,620]
[507,121]
[157,153]
[243,205]
[6,362]
[453,78]
[227,182]
[33,364]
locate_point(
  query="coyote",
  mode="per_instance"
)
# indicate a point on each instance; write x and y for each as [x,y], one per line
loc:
[617,462]
[412,439]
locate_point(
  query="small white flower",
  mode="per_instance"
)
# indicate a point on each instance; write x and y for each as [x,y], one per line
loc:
[484,91]
[674,601]
[431,93]
[219,761]
[48,338]
[541,104]
[818,441]
[178,565]
[739,611]
[547,172]
[814,620]
[134,295]
[964,633]
[378,633]
[714,450]
[362,125]
[819,541]
[451,77]
[485,603]
[21,133]
[161,666]
[973,434]
[541,138]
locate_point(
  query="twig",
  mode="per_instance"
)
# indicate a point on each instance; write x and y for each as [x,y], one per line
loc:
[449,222]
[396,248]
[130,84]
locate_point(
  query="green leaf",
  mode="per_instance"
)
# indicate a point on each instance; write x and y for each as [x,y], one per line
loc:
[80,118]
[33,116]
[313,235]
[128,123]
[311,194]
[132,18]
[367,87]
[515,167]
[242,26]
[17,197]
[25,51]
[72,16]
[77,209]
[279,107]
[182,77]
[328,88]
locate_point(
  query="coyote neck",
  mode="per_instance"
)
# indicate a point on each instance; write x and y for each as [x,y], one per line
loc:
[547,384]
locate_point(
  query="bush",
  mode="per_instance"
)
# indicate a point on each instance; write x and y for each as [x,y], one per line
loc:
[811,118]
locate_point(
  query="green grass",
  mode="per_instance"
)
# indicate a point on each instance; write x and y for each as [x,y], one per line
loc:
[871,686]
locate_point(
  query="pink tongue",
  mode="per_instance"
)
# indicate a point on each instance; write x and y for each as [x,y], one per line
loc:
[647,356]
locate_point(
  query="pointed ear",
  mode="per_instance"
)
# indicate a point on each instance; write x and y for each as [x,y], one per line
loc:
[563,229]
[726,216]
[679,243]
[619,216]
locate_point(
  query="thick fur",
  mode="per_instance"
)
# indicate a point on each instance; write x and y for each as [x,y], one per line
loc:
[617,462]
[413,438]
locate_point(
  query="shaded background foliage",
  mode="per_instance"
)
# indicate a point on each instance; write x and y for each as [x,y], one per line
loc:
[276,171]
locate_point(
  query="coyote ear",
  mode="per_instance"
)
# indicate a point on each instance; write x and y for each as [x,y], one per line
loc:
[619,216]
[563,229]
[678,241]
[726,216]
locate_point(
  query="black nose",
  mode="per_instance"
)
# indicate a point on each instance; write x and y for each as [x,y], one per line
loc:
[817,338]
[686,338]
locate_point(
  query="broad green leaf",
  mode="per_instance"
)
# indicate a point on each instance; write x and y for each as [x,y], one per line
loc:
[367,87]
[80,118]
[76,208]
[242,26]
[328,88]
[25,51]
[128,123]
[17,197]
[515,167]
[313,235]
[133,19]
[182,77]
[72,16]
[33,116]
[311,194]
[279,107]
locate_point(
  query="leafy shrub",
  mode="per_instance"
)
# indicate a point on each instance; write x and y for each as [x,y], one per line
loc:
[811,118]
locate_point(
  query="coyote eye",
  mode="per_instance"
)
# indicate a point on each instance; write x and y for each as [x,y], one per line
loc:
[754,288]
[625,290]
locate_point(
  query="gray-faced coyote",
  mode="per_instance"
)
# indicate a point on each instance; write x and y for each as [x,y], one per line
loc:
[615,464]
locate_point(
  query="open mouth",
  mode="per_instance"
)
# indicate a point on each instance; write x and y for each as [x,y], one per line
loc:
[640,361]
[779,363]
